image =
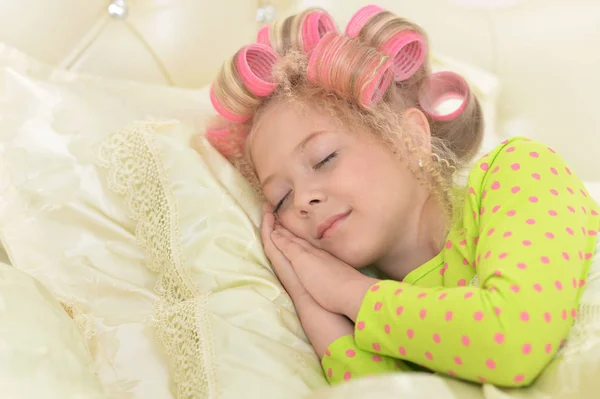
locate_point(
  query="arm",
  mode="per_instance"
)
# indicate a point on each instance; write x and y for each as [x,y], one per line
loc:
[532,236]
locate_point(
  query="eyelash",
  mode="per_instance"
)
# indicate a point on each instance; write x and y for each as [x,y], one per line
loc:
[316,167]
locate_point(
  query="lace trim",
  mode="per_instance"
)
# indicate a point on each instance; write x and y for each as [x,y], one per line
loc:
[182,325]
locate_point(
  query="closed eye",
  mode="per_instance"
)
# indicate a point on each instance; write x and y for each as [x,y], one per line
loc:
[324,161]
[280,203]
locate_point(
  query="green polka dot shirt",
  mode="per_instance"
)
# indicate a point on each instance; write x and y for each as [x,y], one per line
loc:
[499,299]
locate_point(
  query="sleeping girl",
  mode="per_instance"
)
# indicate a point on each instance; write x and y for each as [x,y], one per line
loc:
[392,265]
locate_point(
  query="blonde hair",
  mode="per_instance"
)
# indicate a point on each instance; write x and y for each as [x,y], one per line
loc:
[336,85]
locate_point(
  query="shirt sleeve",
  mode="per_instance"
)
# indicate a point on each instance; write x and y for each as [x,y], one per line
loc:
[344,361]
[534,229]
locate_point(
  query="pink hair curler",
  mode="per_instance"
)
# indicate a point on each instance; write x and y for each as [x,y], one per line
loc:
[407,49]
[443,91]
[255,66]
[360,18]
[263,36]
[227,141]
[323,58]
[315,25]
[224,112]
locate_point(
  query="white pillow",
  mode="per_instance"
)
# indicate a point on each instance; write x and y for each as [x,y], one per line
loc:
[42,354]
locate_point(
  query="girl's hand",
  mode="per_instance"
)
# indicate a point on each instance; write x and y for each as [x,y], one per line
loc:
[335,285]
[321,326]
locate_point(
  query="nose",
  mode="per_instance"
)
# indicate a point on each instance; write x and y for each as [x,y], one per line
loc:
[307,200]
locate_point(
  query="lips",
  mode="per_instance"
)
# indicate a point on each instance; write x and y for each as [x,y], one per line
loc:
[329,223]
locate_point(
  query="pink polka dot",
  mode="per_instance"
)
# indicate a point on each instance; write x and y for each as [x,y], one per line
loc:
[574,282]
[448,244]
[462,283]
[428,355]
[570,231]
[527,243]
[481,379]
[478,316]
[526,349]
[449,315]
[398,291]
[592,232]
[552,213]
[551,150]
[360,325]
[327,353]
[399,310]
[387,329]
[496,169]
[537,287]
[465,340]
[471,190]
[482,210]
[570,208]
[536,176]
[533,199]
[554,171]
[511,213]
[442,296]
[495,185]
[452,373]
[436,338]
[515,166]
[468,295]
[568,170]
[530,221]
[499,338]
[410,333]
[548,348]
[402,350]
[510,149]
[490,364]
[329,372]
[507,234]
[376,358]
[547,317]
[423,314]
[515,189]
[515,288]
[534,154]
[496,209]
[521,265]
[487,254]
[422,295]
[545,260]
[485,167]
[484,194]
[490,232]
[347,376]
[573,313]
[558,285]
[554,192]
[566,256]
[376,346]
[581,283]
[443,269]
[502,255]
[465,262]
[375,288]
[377,306]
[350,353]
[463,243]
[476,240]
[524,316]
[594,213]
[564,314]
[497,310]
[549,235]
[570,190]
[458,360]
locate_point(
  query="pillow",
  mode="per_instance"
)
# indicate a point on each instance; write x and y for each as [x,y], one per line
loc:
[42,355]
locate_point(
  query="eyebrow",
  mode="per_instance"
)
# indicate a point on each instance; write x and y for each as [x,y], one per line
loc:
[299,147]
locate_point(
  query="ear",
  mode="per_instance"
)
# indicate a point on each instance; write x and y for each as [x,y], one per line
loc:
[417,121]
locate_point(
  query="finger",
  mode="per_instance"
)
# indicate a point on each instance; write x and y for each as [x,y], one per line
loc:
[291,249]
[289,235]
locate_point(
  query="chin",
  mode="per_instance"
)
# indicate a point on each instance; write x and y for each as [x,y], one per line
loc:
[358,258]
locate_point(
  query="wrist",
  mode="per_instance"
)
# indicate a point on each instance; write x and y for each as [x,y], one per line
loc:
[354,296]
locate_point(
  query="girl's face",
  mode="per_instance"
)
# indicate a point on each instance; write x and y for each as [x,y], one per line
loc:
[343,192]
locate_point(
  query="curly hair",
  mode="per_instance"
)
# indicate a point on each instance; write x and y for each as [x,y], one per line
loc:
[364,79]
